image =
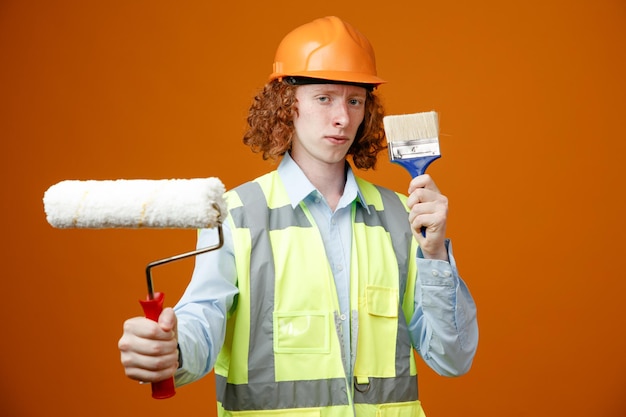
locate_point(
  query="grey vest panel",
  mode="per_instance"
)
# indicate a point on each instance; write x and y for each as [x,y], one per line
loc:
[281,395]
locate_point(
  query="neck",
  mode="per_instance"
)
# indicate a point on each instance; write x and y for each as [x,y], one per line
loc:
[328,179]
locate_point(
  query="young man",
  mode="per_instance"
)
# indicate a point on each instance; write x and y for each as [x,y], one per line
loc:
[324,285]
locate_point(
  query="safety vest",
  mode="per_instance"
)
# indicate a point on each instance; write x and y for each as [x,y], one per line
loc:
[282,352]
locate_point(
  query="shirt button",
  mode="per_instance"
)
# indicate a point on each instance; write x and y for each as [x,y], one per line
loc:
[343,317]
[340,267]
[435,273]
[447,274]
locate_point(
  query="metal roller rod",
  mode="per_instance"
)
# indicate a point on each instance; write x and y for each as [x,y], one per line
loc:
[151,265]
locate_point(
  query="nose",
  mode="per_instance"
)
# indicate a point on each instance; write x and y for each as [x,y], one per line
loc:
[341,115]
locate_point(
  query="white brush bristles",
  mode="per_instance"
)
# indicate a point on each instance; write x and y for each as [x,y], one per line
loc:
[406,127]
[173,203]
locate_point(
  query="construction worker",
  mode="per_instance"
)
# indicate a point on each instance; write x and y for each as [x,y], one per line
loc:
[325,285]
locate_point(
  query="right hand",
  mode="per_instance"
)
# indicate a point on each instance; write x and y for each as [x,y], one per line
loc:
[149,349]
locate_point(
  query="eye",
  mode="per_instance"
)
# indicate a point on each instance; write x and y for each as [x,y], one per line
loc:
[356,101]
[323,99]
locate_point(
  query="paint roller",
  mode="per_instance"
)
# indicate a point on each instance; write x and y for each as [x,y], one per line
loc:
[139,204]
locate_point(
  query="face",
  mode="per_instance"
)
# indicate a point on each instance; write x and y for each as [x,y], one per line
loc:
[329,116]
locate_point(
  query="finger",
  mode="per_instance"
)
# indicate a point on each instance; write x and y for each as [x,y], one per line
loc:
[149,362]
[143,374]
[167,319]
[429,214]
[135,345]
[433,222]
[437,211]
[153,363]
[423,195]
[145,328]
[423,181]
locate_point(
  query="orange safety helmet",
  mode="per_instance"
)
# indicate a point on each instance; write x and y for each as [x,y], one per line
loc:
[329,49]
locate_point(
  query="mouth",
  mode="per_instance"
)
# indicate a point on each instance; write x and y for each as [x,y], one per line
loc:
[337,139]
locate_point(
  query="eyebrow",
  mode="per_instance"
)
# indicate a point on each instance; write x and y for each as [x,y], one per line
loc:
[326,88]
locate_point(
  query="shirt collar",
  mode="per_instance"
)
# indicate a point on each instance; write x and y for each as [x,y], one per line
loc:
[299,187]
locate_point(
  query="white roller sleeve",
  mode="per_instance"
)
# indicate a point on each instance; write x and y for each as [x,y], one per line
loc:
[171,203]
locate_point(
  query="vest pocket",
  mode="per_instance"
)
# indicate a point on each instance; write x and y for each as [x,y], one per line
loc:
[298,412]
[408,409]
[301,332]
[382,301]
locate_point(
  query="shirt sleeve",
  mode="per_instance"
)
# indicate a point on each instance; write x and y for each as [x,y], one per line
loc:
[444,327]
[203,308]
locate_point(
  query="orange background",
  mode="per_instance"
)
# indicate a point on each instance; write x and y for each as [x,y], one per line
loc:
[531,97]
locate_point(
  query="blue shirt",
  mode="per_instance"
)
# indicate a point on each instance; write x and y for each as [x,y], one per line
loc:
[443,329]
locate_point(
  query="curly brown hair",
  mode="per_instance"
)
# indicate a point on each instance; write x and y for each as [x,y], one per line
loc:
[270,125]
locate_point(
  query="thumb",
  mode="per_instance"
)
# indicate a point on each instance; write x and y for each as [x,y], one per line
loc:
[167,319]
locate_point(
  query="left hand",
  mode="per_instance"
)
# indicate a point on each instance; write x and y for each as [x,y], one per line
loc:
[429,208]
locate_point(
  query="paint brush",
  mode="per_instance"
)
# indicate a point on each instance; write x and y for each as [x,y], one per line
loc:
[413,141]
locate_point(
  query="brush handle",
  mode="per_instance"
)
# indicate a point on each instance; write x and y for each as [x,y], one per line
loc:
[152,308]
[417,167]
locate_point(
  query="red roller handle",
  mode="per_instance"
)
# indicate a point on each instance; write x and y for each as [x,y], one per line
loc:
[152,309]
